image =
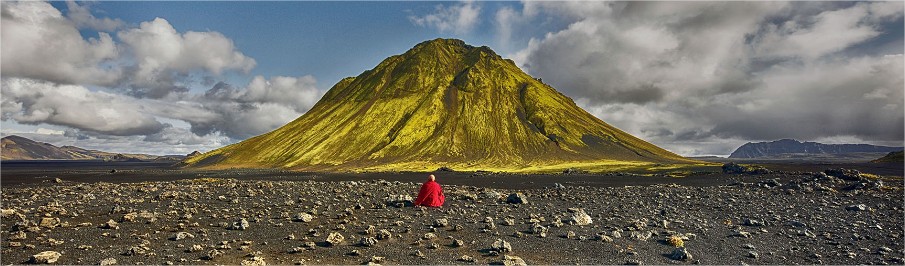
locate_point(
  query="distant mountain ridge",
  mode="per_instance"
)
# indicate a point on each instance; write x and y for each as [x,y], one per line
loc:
[20,148]
[791,146]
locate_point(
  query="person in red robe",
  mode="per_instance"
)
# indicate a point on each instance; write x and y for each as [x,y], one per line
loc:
[431,194]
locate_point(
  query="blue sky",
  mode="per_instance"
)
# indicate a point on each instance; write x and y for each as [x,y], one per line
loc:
[329,40]
[697,78]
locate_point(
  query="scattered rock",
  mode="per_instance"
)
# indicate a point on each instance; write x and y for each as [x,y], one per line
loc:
[501,246]
[110,224]
[467,258]
[741,234]
[108,261]
[376,259]
[580,218]
[845,174]
[752,254]
[49,222]
[242,224]
[45,257]
[680,253]
[214,253]
[540,230]
[457,243]
[418,253]
[399,201]
[303,217]
[753,222]
[641,235]
[735,169]
[18,235]
[254,261]
[335,239]
[384,234]
[513,261]
[181,236]
[442,222]
[368,241]
[857,207]
[517,198]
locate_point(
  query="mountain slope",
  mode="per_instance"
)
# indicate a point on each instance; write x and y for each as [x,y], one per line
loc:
[442,103]
[892,157]
[790,146]
[19,148]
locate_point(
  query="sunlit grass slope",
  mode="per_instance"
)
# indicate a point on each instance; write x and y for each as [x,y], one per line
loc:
[442,103]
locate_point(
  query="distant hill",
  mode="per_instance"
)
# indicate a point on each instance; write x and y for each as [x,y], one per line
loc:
[790,148]
[443,103]
[19,148]
[892,157]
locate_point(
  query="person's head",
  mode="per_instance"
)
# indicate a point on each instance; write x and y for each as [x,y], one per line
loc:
[431,178]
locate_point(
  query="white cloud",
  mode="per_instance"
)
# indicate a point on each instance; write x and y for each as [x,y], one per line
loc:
[828,32]
[160,51]
[82,17]
[459,19]
[703,78]
[34,102]
[263,105]
[48,68]
[38,42]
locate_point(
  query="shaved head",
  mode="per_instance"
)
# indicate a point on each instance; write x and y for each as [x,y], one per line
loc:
[431,178]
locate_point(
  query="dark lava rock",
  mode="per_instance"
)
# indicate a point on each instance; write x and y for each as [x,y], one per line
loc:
[845,174]
[680,253]
[517,198]
[736,169]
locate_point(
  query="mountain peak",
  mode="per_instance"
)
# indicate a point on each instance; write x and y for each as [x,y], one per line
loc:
[441,103]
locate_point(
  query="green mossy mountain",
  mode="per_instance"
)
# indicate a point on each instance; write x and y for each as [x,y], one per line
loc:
[442,103]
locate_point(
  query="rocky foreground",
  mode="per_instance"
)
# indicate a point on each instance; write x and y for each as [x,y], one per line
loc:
[808,219]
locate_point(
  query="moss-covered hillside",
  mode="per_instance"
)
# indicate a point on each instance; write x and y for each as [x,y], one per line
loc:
[442,103]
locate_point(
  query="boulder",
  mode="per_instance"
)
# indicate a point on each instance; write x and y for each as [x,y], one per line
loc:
[45,257]
[501,246]
[513,261]
[680,253]
[335,239]
[580,218]
[517,198]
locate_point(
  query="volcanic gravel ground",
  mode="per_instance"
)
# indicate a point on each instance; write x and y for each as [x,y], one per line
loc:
[799,219]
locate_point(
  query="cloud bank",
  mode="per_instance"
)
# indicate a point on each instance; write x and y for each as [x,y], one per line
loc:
[135,89]
[703,78]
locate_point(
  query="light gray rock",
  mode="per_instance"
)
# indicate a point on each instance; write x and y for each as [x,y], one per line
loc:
[45,257]
[335,238]
[580,218]
[303,217]
[242,224]
[513,261]
[501,246]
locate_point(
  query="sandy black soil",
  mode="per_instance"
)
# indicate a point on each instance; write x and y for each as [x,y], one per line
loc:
[780,218]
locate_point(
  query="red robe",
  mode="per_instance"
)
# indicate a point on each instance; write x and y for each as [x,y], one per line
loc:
[431,195]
